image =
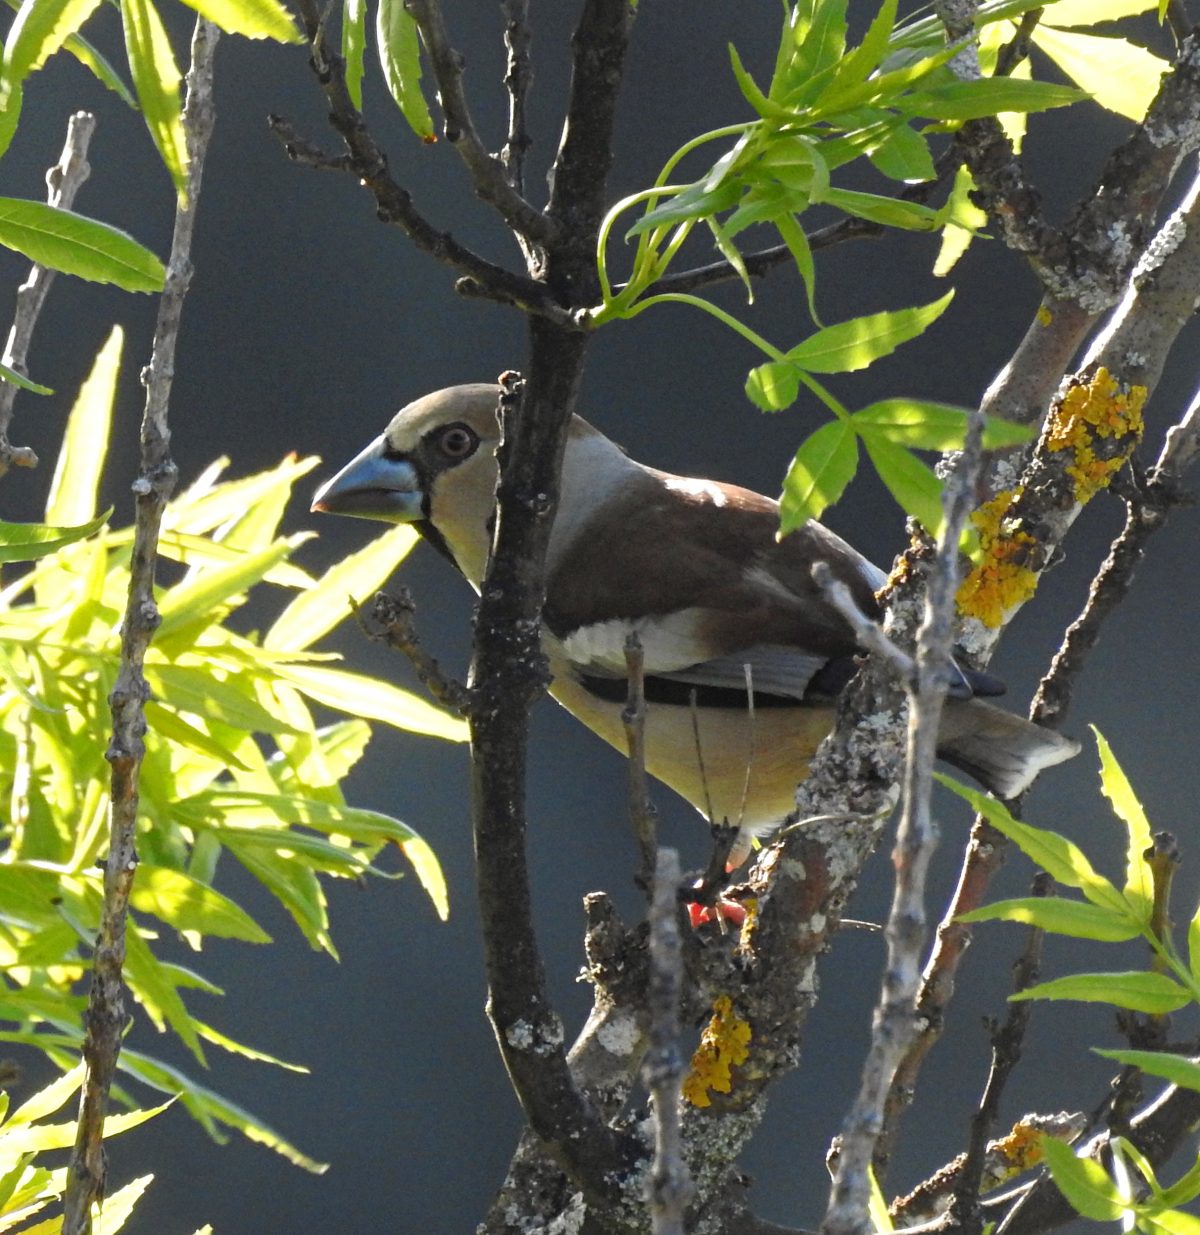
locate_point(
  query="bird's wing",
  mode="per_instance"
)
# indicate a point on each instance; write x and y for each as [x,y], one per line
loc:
[694,569]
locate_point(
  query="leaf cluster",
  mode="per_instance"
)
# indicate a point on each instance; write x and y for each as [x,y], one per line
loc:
[236,766]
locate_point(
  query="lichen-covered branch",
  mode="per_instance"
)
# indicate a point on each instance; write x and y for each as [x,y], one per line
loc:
[106,1016]
[63,181]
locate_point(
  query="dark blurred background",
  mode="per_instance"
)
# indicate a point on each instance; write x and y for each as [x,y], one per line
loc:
[308,324]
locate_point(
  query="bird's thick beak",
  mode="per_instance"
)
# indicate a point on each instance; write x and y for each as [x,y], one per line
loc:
[372,486]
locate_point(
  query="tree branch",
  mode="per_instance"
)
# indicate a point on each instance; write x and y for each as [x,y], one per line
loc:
[106,1017]
[63,181]
[518,77]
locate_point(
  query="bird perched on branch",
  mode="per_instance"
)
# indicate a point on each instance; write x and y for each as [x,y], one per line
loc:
[744,656]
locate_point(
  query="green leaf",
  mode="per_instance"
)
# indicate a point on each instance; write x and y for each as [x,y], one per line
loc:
[1168,1222]
[963,219]
[252,19]
[1178,1069]
[911,482]
[869,54]
[823,467]
[155,990]
[229,700]
[292,883]
[11,375]
[187,905]
[373,699]
[1090,12]
[904,156]
[1085,1184]
[1114,784]
[972,100]
[39,29]
[175,729]
[886,211]
[9,115]
[156,80]
[429,873]
[85,442]
[78,245]
[354,45]
[1062,859]
[765,107]
[1193,943]
[400,56]
[923,425]
[99,66]
[773,386]
[1119,75]
[1062,917]
[793,235]
[1153,993]
[694,202]
[23,542]
[849,346]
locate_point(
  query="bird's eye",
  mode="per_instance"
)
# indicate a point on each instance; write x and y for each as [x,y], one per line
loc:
[457,441]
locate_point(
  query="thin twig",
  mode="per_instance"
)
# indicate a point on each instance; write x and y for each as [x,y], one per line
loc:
[106,1016]
[633,718]
[394,625]
[518,76]
[669,1187]
[489,175]
[867,632]
[62,183]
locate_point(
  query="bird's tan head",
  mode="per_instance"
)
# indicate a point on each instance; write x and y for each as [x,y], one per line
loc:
[435,466]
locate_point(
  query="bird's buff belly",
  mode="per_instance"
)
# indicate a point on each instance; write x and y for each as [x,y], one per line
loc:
[734,768]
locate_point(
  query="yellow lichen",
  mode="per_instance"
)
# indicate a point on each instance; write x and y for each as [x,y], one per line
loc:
[1012,1155]
[1044,316]
[750,905]
[1002,580]
[1100,424]
[724,1044]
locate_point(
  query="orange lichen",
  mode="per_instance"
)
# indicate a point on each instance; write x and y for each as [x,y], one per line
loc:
[724,1044]
[1002,580]
[1100,424]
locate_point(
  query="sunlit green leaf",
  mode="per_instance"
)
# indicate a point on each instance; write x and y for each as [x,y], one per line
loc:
[156,79]
[1114,784]
[911,482]
[39,29]
[1061,858]
[1178,1069]
[10,114]
[99,66]
[1168,1222]
[1118,74]
[400,56]
[229,700]
[962,220]
[1090,12]
[293,884]
[48,1099]
[187,905]
[85,442]
[1085,1183]
[852,345]
[253,19]
[23,542]
[1077,919]
[77,245]
[904,156]
[823,467]
[773,386]
[694,202]
[429,873]
[924,425]
[1153,993]
[792,234]
[374,700]
[17,379]
[318,610]
[354,45]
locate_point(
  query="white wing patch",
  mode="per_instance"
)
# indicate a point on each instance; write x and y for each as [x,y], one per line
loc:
[669,641]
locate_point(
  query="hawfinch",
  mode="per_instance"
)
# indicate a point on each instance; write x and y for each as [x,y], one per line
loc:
[727,614]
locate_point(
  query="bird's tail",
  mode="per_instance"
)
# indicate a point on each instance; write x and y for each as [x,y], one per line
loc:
[1001,751]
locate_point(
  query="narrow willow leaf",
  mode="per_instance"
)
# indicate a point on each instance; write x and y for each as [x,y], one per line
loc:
[1193,943]
[315,612]
[773,386]
[694,202]
[1168,1222]
[868,55]
[156,79]
[354,45]
[373,699]
[1062,917]
[186,905]
[194,689]
[35,1138]
[11,375]
[1059,857]
[253,19]
[10,113]
[824,465]
[904,156]
[1119,75]
[793,235]
[730,252]
[1085,1184]
[1090,12]
[852,345]
[886,211]
[429,873]
[766,107]
[292,883]
[101,68]
[1178,1069]
[912,483]
[85,442]
[78,245]
[23,542]
[400,56]
[963,220]
[155,990]
[1153,993]
[973,100]
[48,1099]
[170,725]
[1114,784]
[924,425]
[39,29]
